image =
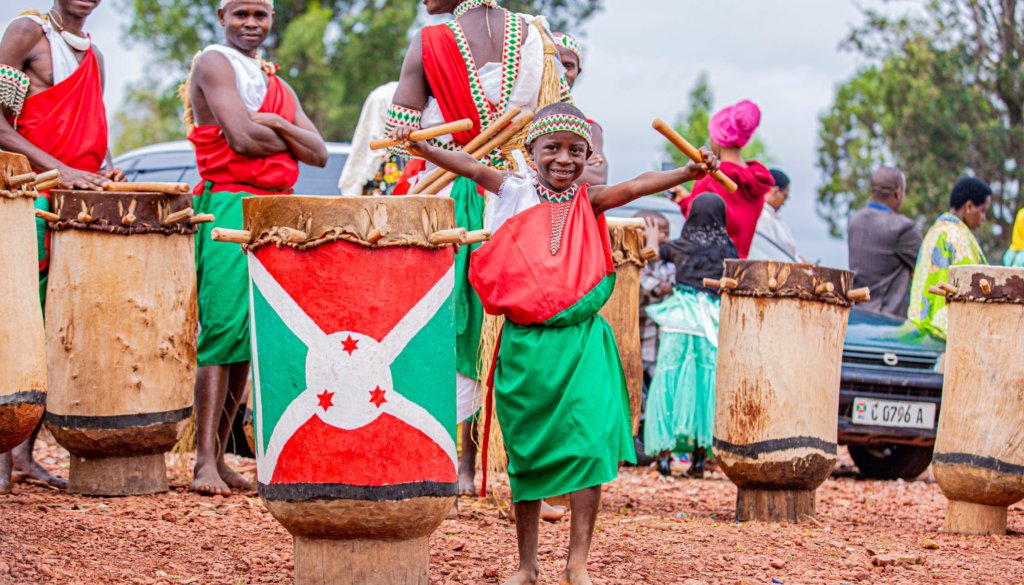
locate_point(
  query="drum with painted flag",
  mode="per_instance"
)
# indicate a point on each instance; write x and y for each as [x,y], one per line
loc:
[23,355]
[353,348]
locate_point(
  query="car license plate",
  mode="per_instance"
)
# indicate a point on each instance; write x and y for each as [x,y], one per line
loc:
[893,413]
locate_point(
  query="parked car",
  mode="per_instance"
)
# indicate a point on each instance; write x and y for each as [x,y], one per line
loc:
[176,162]
[890,390]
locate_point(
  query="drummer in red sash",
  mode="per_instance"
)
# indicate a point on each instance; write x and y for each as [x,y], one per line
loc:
[51,96]
[249,133]
[559,388]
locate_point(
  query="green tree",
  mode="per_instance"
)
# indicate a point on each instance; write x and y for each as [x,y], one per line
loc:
[150,115]
[693,126]
[332,52]
[941,96]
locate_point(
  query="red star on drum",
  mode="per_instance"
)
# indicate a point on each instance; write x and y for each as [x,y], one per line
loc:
[377,396]
[326,400]
[350,345]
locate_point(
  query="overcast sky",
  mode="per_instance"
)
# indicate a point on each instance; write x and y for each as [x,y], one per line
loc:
[641,59]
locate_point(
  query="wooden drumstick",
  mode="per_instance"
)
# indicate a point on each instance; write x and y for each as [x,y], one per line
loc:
[860,295]
[452,236]
[948,288]
[16,181]
[178,216]
[377,234]
[425,134]
[726,283]
[166,188]
[201,218]
[46,184]
[635,222]
[45,177]
[692,153]
[476,237]
[470,148]
[47,215]
[484,150]
[230,236]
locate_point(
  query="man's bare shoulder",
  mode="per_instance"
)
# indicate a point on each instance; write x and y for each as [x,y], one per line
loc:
[211,63]
[21,35]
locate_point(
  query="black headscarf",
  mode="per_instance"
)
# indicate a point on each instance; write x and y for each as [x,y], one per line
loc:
[704,244]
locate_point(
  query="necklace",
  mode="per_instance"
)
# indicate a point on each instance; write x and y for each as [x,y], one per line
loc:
[468,5]
[559,204]
[80,44]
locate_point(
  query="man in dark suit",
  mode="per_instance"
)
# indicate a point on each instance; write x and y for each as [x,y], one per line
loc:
[883,245]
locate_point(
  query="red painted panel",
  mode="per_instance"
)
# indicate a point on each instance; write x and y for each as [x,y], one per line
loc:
[347,287]
[384,452]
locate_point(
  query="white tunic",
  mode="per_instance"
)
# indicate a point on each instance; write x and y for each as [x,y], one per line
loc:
[249,77]
[64,61]
[363,164]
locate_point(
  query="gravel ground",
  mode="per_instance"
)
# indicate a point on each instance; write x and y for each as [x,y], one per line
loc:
[651,530]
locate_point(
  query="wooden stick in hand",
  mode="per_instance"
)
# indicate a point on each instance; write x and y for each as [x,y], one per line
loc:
[692,153]
[473,145]
[484,150]
[166,188]
[426,134]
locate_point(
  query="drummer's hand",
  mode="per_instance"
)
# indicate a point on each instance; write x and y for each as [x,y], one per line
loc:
[271,121]
[595,161]
[417,149]
[115,175]
[75,179]
[697,171]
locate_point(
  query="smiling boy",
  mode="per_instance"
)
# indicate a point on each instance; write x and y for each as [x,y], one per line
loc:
[559,388]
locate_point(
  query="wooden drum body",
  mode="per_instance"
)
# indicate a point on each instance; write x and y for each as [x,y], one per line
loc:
[623,308]
[120,336]
[22,349]
[979,449]
[777,391]
[354,380]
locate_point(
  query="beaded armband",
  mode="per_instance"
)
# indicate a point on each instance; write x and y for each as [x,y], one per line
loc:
[399,116]
[13,89]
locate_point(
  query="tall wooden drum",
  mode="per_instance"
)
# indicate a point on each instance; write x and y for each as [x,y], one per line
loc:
[22,350]
[780,350]
[979,450]
[120,336]
[622,310]
[353,333]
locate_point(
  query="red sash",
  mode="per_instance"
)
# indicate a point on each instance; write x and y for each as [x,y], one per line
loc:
[68,121]
[516,275]
[230,171]
[448,79]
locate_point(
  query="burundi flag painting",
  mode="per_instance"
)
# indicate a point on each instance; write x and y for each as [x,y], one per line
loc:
[353,353]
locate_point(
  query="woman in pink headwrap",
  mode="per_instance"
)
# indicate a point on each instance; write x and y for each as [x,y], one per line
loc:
[731,129]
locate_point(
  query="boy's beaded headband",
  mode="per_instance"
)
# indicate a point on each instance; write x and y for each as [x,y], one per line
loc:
[566,42]
[224,3]
[560,123]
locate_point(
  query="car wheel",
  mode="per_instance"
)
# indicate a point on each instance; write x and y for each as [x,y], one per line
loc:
[891,461]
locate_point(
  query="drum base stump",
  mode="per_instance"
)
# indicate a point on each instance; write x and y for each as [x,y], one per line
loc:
[793,506]
[968,518]
[362,562]
[118,476]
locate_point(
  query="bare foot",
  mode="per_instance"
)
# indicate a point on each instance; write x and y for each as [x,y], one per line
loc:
[233,478]
[209,483]
[467,485]
[38,472]
[523,577]
[6,465]
[575,577]
[550,513]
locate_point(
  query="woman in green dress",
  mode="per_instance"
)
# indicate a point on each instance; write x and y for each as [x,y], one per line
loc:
[680,416]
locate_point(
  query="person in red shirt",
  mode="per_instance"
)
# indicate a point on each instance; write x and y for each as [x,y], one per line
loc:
[731,130]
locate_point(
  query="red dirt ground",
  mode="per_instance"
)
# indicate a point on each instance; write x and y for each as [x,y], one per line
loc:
[650,531]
